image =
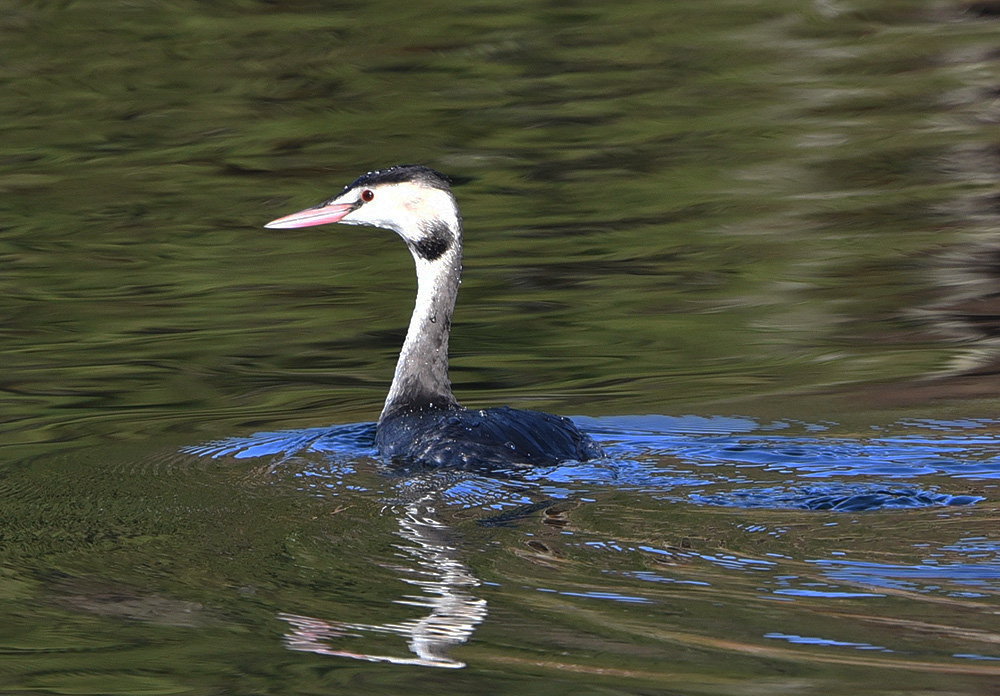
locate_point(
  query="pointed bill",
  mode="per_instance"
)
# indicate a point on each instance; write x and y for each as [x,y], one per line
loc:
[319,215]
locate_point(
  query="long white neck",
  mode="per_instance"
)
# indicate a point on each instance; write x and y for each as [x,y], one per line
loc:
[421,378]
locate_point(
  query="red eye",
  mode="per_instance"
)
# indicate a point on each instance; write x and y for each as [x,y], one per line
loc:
[367,195]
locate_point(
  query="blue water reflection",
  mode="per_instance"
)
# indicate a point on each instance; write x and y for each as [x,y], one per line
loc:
[826,642]
[716,461]
[981,578]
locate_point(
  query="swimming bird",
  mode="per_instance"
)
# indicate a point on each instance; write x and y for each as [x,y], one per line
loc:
[422,422]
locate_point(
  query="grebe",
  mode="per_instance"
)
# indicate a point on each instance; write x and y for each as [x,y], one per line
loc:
[422,422]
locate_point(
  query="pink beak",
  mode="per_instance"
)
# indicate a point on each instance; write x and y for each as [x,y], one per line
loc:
[320,215]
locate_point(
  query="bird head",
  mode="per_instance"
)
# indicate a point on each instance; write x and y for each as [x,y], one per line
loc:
[412,200]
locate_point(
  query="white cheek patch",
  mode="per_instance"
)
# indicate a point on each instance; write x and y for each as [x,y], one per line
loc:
[421,206]
[438,205]
[413,212]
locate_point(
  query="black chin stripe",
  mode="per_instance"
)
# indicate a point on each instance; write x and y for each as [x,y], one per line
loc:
[437,239]
[432,248]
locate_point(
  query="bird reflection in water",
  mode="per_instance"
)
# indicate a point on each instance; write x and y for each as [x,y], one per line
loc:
[453,612]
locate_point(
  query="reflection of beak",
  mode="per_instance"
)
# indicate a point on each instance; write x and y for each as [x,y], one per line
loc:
[319,215]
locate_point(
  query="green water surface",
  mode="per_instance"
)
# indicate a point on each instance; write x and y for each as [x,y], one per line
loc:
[780,209]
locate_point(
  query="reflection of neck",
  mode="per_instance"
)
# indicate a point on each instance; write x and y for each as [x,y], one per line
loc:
[454,613]
[421,377]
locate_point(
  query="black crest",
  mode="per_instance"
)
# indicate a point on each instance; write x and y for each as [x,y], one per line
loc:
[403,172]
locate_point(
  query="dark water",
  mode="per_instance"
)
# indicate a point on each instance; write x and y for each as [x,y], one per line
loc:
[771,224]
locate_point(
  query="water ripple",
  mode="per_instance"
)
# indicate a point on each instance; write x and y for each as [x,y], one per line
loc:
[717,461]
[921,577]
[837,497]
